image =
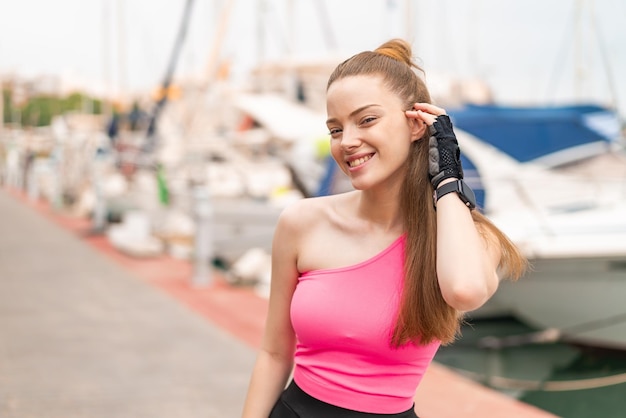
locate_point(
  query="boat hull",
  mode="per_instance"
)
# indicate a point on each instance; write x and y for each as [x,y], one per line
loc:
[582,298]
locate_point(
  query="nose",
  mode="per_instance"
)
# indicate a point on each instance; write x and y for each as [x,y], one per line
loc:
[350,138]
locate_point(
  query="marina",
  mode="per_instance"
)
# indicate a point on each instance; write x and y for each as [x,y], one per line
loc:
[168,198]
[139,212]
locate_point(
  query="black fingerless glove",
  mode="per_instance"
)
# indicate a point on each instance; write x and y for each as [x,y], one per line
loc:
[444,154]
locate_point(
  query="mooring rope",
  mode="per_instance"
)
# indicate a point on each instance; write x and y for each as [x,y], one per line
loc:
[506,383]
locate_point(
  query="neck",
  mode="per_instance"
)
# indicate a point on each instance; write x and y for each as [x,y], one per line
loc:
[381,208]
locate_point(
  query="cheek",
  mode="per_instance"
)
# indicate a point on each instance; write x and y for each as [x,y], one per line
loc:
[335,151]
[402,150]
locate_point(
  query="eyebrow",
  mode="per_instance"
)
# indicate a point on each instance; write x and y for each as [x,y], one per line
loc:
[354,112]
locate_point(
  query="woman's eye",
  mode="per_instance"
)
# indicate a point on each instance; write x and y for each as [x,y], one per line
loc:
[334,132]
[368,119]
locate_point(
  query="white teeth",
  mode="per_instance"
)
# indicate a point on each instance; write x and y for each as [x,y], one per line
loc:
[359,161]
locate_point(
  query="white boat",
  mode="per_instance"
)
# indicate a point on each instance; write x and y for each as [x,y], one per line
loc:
[571,223]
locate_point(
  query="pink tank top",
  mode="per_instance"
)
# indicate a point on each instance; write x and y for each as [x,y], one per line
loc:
[343,319]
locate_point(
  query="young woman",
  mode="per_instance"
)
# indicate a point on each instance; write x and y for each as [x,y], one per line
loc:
[367,284]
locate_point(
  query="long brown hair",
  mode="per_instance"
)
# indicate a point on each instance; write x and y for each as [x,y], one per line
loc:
[424,316]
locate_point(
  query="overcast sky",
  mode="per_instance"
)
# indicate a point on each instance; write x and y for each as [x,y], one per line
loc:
[527,51]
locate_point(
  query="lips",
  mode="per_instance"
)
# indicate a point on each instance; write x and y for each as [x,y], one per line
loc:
[357,161]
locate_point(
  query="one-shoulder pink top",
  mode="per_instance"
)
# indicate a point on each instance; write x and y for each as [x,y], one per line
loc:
[343,319]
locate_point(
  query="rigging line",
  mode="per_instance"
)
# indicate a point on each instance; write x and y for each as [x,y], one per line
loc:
[561,53]
[500,382]
[605,60]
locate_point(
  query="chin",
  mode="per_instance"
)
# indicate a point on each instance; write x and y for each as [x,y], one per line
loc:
[360,185]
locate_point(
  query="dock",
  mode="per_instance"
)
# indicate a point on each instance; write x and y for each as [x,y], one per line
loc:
[89,332]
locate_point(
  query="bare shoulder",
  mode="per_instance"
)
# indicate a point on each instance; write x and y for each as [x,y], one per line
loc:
[296,226]
[309,213]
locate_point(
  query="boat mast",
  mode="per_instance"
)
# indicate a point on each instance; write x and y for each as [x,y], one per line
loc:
[214,55]
[121,51]
[151,137]
[260,29]
[579,71]
[212,68]
[106,59]
[408,25]
[329,34]
[291,44]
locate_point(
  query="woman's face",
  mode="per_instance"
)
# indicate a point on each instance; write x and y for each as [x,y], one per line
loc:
[370,134]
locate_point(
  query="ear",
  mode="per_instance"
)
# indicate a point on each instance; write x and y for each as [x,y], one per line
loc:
[417,128]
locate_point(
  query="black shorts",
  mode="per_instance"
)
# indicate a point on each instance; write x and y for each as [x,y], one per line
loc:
[295,403]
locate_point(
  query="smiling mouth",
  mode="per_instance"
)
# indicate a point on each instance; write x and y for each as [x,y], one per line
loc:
[359,161]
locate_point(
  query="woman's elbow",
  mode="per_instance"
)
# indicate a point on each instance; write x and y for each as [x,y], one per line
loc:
[467,295]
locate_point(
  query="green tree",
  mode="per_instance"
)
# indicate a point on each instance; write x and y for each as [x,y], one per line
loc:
[39,110]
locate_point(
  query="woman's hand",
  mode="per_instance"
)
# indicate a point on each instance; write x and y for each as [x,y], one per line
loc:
[444,154]
[425,112]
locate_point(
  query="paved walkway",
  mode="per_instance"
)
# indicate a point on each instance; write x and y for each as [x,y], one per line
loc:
[82,337]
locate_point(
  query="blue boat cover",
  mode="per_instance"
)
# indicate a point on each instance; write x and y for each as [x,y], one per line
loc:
[528,133]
